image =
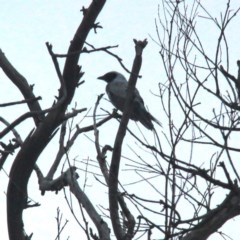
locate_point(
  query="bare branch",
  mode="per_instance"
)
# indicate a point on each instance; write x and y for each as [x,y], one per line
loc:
[116,156]
[20,102]
[215,218]
[37,141]
[22,85]
[100,224]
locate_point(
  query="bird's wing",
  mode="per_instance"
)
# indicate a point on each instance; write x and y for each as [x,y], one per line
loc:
[117,93]
[117,88]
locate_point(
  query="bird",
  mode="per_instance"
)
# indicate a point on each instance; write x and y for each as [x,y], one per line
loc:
[117,93]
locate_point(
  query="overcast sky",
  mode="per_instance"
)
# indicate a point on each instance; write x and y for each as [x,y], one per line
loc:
[25,26]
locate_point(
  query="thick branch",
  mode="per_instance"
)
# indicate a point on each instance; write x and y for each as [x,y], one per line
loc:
[57,184]
[116,156]
[22,85]
[71,70]
[101,225]
[37,141]
[215,218]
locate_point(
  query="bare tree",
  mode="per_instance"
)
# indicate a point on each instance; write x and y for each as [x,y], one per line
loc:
[46,122]
[201,102]
[176,171]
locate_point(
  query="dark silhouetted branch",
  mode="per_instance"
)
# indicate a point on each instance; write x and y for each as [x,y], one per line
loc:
[116,155]
[35,143]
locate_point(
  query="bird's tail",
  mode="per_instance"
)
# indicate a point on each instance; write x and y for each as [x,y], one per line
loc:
[155,120]
[140,113]
[146,120]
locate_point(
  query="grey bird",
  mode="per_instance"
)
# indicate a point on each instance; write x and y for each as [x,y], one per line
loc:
[117,92]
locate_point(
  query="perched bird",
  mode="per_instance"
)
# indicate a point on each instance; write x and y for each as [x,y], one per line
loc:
[117,92]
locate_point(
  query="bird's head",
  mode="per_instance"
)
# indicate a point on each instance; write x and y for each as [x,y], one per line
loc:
[111,76]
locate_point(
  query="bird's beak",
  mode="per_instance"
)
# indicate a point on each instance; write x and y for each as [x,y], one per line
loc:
[101,78]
